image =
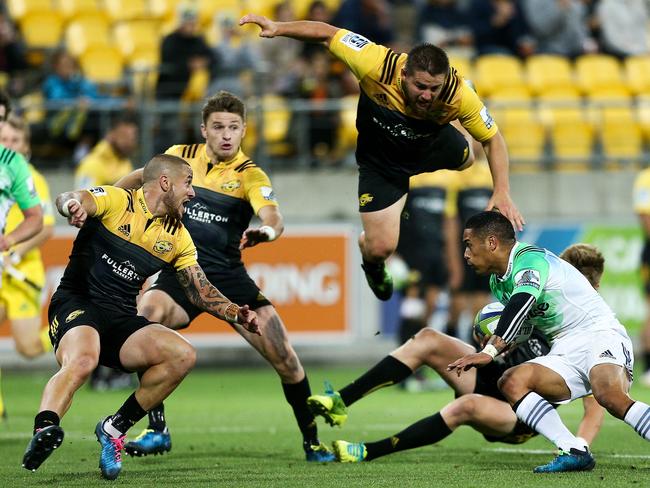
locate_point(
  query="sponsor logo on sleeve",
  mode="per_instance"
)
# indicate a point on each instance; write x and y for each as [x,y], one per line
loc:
[354,41]
[267,193]
[486,117]
[528,277]
[98,191]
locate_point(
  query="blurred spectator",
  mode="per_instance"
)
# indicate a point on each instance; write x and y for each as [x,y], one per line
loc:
[318,12]
[558,26]
[235,59]
[370,18]
[623,27]
[282,57]
[500,28]
[183,53]
[445,24]
[318,85]
[71,124]
[12,57]
[110,159]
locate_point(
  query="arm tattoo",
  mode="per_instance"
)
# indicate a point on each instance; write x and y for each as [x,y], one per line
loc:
[205,295]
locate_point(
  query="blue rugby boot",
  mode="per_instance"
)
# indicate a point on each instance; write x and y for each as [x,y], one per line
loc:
[110,458]
[573,460]
[150,441]
[319,453]
[43,443]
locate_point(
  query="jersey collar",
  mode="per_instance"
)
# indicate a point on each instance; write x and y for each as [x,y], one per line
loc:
[511,258]
[139,196]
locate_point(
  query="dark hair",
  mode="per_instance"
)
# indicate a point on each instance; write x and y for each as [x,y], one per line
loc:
[587,259]
[19,124]
[124,118]
[5,101]
[223,101]
[427,57]
[159,163]
[491,223]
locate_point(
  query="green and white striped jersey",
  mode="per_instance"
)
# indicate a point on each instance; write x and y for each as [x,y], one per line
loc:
[16,184]
[565,301]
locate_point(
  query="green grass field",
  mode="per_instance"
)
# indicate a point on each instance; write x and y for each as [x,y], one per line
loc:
[232,428]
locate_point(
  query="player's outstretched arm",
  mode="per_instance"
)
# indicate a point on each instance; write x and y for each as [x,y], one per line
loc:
[28,228]
[592,420]
[132,181]
[497,156]
[77,206]
[207,297]
[271,228]
[303,30]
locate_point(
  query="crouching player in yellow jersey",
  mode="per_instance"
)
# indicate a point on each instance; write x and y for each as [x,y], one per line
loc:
[230,189]
[125,237]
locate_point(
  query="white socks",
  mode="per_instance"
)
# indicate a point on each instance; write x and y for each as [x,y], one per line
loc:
[539,415]
[638,417]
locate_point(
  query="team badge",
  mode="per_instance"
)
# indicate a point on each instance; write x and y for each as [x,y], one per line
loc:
[528,277]
[74,315]
[267,193]
[98,191]
[231,185]
[162,247]
[365,199]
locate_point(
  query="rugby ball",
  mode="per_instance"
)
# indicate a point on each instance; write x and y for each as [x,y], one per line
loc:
[486,320]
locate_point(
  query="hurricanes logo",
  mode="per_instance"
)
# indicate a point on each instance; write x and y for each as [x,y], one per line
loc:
[72,316]
[231,185]
[365,199]
[161,247]
[394,441]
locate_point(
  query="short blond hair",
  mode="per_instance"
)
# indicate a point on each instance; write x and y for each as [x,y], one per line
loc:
[587,259]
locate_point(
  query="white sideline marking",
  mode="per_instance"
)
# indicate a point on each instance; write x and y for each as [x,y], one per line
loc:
[550,451]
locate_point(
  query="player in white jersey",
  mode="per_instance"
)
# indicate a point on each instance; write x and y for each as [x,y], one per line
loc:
[590,350]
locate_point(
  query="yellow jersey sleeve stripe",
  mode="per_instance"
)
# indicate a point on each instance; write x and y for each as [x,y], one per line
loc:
[388,68]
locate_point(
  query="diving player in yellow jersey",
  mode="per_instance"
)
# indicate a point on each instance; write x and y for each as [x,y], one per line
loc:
[230,190]
[408,118]
[125,237]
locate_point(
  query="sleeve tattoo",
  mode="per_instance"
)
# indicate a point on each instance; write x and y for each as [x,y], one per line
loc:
[205,295]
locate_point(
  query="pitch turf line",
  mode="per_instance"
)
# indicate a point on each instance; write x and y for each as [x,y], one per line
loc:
[550,451]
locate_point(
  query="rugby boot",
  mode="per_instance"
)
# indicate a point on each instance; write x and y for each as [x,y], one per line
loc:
[349,452]
[319,453]
[573,460]
[379,280]
[150,441]
[110,457]
[43,443]
[330,406]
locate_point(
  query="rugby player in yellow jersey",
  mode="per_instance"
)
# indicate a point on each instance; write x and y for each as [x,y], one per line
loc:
[125,237]
[20,301]
[410,109]
[230,189]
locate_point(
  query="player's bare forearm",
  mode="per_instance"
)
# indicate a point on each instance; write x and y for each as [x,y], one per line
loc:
[497,156]
[34,242]
[132,181]
[302,30]
[76,206]
[28,228]
[271,228]
[592,419]
[207,297]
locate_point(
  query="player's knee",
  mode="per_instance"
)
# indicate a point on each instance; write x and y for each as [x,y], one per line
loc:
[379,249]
[152,312]
[427,339]
[289,368]
[30,349]
[82,367]
[512,385]
[614,401]
[465,408]
[183,357]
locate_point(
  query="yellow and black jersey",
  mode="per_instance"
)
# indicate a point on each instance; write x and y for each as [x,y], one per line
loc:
[228,194]
[389,133]
[102,166]
[429,202]
[121,246]
[642,193]
[473,190]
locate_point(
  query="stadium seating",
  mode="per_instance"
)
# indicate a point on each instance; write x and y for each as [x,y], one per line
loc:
[347,136]
[621,142]
[19,8]
[597,71]
[103,65]
[497,71]
[42,29]
[71,9]
[277,118]
[462,65]
[525,142]
[637,74]
[573,144]
[137,37]
[87,32]
[127,9]
[546,72]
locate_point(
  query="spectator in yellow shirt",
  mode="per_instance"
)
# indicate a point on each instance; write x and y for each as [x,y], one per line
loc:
[110,159]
